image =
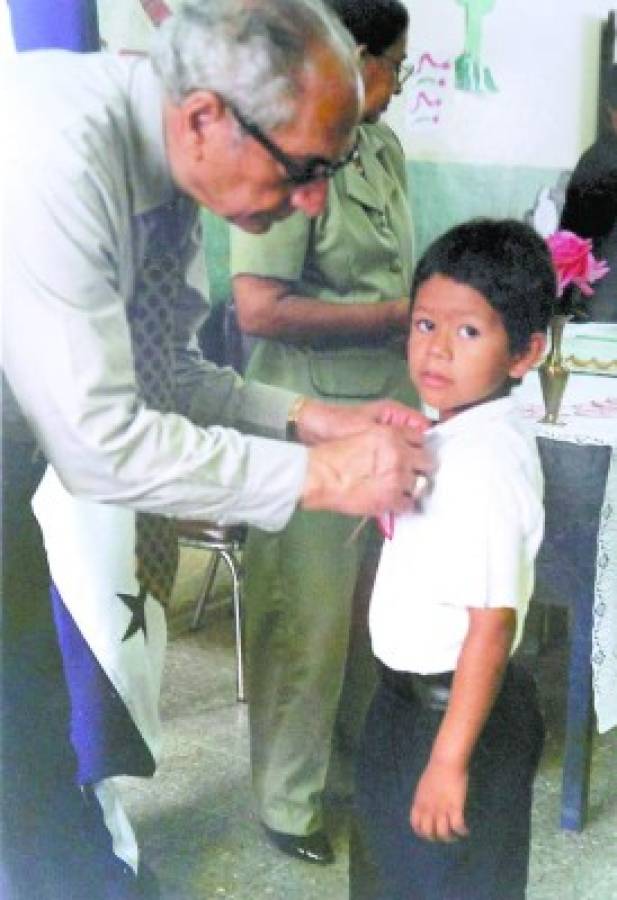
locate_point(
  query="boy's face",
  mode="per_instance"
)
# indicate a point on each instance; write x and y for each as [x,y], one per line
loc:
[458,347]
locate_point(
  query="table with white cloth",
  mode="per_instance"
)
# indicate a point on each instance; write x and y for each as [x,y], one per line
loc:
[578,559]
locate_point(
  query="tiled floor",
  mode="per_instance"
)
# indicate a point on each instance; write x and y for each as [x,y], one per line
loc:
[195,819]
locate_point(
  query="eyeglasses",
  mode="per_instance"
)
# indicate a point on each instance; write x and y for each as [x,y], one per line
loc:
[402,70]
[315,168]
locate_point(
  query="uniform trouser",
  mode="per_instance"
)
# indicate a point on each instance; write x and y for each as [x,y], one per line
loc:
[299,613]
[492,863]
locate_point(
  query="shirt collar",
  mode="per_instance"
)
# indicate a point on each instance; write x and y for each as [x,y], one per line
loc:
[374,189]
[149,172]
[476,417]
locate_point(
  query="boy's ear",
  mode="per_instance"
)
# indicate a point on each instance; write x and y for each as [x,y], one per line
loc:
[524,361]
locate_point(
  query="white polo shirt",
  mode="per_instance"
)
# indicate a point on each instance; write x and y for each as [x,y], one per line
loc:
[473,544]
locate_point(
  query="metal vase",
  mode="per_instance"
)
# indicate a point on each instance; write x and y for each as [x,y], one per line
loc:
[553,372]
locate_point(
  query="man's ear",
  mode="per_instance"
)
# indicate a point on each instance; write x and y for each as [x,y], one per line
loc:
[198,112]
[524,361]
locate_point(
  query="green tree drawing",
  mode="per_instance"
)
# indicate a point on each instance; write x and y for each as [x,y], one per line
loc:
[470,73]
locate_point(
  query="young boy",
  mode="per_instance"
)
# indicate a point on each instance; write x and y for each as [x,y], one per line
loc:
[454,734]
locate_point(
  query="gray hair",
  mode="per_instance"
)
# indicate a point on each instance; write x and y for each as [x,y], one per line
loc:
[251,52]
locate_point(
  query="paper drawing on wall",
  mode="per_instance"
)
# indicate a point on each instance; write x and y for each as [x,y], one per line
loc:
[426,90]
[471,73]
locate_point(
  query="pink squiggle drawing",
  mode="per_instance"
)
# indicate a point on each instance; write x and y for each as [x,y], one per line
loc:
[424,98]
[428,59]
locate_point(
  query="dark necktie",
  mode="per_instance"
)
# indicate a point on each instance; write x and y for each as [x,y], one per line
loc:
[151,317]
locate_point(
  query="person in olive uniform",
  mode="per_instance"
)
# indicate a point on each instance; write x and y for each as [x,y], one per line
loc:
[327,299]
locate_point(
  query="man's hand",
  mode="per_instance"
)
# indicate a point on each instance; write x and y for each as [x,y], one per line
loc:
[368,473]
[320,421]
[437,809]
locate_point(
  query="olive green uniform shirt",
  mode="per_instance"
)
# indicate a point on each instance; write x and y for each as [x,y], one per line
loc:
[359,250]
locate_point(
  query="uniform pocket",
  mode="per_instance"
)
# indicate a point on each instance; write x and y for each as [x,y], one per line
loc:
[354,373]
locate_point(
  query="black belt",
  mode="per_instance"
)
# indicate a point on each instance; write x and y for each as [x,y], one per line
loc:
[430,691]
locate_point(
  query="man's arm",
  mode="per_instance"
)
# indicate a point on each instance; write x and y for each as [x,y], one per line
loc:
[437,809]
[273,308]
[267,276]
[68,360]
[69,363]
[207,394]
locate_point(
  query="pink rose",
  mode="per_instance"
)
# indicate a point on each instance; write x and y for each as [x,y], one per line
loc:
[574,262]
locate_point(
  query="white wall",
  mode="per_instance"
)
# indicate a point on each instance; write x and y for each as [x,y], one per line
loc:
[544,57]
[124,25]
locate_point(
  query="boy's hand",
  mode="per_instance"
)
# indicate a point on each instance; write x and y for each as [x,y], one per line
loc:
[437,809]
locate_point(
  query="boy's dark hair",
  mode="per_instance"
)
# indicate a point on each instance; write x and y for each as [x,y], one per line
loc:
[504,260]
[375,23]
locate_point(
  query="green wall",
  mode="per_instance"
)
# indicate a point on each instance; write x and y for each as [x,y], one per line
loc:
[441,194]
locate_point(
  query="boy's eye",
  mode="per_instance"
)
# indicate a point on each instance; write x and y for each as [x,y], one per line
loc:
[424,325]
[468,331]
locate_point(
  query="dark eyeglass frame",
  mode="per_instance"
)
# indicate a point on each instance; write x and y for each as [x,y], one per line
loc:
[402,70]
[315,168]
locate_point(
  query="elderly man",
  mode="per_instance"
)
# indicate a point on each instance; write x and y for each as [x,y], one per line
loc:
[247,107]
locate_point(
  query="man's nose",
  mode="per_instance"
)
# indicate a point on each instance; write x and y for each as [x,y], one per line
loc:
[310,198]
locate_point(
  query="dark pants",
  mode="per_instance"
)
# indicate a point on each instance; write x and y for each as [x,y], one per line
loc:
[54,845]
[492,863]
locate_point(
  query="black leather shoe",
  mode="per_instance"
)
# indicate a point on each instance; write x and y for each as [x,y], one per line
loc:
[312,848]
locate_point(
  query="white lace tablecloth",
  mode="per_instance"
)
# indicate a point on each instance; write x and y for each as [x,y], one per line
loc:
[589,416]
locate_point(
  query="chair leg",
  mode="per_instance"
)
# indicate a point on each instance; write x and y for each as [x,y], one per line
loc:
[579,721]
[208,581]
[236,577]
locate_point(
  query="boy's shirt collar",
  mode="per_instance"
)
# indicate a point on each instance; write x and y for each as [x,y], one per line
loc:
[475,416]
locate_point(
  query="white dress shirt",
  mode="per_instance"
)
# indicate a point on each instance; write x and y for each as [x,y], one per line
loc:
[472,544]
[85,159]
